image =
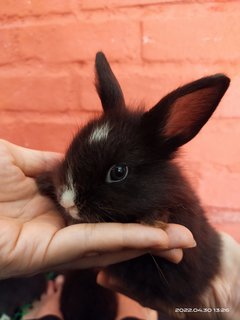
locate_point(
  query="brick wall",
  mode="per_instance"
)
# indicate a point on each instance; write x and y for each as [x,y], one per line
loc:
[47,51]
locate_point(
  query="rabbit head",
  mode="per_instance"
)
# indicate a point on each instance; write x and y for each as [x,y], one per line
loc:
[119,166]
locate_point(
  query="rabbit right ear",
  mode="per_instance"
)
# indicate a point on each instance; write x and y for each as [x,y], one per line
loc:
[180,115]
[108,88]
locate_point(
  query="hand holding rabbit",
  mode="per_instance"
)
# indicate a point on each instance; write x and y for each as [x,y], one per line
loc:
[34,237]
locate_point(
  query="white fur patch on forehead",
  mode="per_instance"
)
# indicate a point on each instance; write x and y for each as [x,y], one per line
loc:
[100,133]
[70,180]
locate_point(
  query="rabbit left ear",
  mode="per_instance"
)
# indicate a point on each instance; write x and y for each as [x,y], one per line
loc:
[107,85]
[180,115]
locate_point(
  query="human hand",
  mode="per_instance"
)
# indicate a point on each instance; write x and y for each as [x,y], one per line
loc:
[49,302]
[34,237]
[177,238]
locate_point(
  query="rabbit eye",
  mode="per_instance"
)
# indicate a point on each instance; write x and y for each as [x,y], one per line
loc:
[117,173]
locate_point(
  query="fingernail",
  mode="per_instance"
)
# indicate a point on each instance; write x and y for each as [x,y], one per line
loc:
[60,278]
[102,278]
[192,244]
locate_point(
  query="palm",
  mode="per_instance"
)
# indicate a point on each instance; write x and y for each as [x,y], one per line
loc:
[24,215]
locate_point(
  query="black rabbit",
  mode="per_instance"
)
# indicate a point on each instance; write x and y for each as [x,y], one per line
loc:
[120,168]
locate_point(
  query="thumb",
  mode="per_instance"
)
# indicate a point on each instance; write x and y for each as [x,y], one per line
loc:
[107,281]
[31,162]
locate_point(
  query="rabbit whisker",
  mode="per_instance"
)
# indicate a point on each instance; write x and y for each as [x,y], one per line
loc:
[160,272]
[105,213]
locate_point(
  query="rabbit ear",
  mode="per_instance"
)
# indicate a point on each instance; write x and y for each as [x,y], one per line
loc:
[180,115]
[108,88]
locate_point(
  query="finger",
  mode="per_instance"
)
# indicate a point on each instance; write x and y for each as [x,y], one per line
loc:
[35,303]
[50,287]
[179,236]
[104,279]
[109,282]
[32,162]
[58,284]
[172,255]
[80,240]
[101,260]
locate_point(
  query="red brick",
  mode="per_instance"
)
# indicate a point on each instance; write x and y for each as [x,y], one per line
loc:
[222,215]
[83,85]
[193,33]
[80,41]
[96,4]
[219,187]
[41,132]
[215,170]
[147,84]
[53,137]
[32,7]
[141,84]
[37,91]
[225,220]
[138,86]
[230,228]
[230,107]
[217,143]
[9,46]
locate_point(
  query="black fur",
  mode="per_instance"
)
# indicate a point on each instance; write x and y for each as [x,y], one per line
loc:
[154,190]
[83,299]
[108,88]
